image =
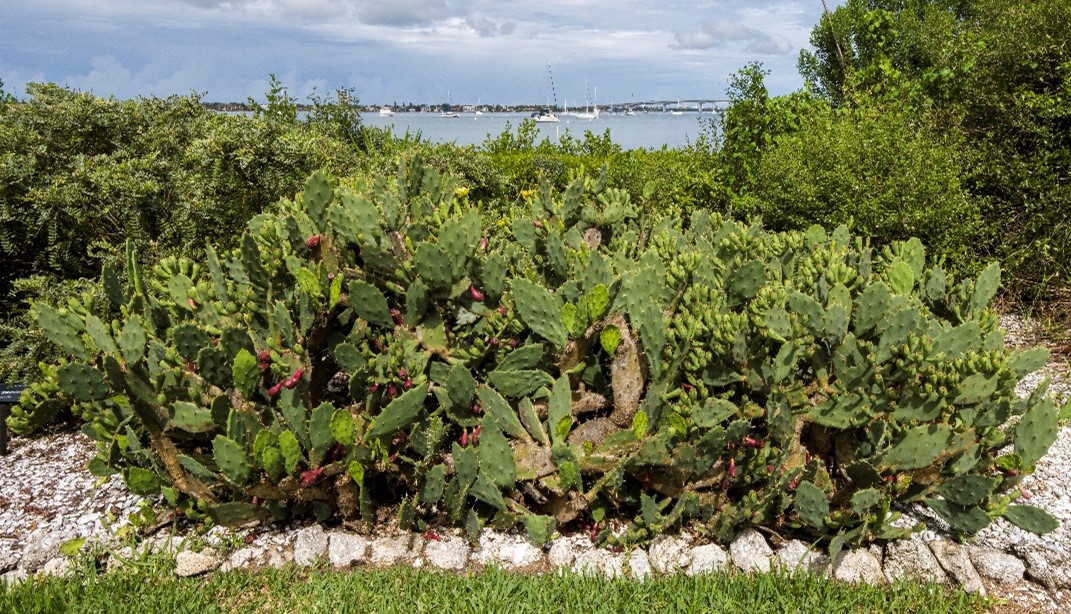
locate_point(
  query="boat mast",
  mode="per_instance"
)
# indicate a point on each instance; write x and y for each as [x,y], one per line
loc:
[550,89]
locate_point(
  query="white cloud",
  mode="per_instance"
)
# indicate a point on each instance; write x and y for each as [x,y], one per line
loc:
[488,27]
[411,50]
[401,13]
[316,9]
[713,34]
[105,69]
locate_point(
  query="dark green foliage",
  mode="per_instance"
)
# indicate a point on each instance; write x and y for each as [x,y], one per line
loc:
[82,175]
[890,174]
[715,373]
[994,77]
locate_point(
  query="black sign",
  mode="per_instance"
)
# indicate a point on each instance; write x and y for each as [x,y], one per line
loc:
[10,393]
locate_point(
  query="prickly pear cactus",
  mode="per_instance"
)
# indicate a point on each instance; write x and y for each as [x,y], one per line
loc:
[378,342]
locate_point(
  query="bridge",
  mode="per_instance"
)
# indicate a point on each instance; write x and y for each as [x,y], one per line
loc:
[683,104]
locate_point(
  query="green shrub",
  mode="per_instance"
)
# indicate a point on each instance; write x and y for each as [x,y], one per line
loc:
[81,175]
[886,175]
[23,344]
[378,343]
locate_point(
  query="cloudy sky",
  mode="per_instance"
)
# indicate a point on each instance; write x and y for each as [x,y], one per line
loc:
[399,51]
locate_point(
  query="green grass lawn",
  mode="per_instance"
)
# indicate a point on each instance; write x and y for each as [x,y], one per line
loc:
[153,588]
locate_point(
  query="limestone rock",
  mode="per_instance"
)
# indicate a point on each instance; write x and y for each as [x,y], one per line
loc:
[707,558]
[346,549]
[242,558]
[912,558]
[265,551]
[750,552]
[796,556]
[189,563]
[507,551]
[59,566]
[957,563]
[13,577]
[599,562]
[448,553]
[387,551]
[639,565]
[858,566]
[668,555]
[1046,565]
[997,565]
[564,550]
[310,545]
[42,546]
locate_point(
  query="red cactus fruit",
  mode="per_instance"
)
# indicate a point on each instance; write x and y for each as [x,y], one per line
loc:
[494,341]
[464,440]
[476,409]
[397,315]
[403,373]
[431,536]
[538,223]
[192,303]
[407,384]
[475,434]
[483,243]
[732,467]
[476,294]
[264,356]
[308,478]
[373,388]
[275,390]
[293,380]
[312,241]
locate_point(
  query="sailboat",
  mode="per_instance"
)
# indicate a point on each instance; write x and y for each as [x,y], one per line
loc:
[547,116]
[677,111]
[588,114]
[448,110]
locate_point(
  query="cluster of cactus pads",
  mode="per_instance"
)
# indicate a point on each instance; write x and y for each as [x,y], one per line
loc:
[377,344]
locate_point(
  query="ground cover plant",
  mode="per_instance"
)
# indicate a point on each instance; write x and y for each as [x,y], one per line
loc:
[375,343]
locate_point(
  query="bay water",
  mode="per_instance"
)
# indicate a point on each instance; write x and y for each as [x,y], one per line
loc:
[652,130]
